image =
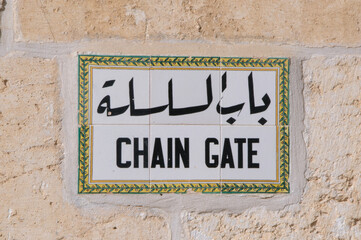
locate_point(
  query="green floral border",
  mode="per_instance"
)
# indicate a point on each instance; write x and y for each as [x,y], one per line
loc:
[173,61]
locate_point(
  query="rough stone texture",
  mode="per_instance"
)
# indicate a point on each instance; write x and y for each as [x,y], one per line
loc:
[29,116]
[313,23]
[32,204]
[331,205]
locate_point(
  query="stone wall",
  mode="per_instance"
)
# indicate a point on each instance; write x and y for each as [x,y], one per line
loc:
[39,43]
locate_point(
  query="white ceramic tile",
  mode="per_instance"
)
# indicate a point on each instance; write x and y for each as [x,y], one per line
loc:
[198,171]
[262,150]
[151,90]
[119,95]
[237,92]
[189,89]
[105,154]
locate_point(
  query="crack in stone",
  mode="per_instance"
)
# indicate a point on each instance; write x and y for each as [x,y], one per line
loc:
[50,166]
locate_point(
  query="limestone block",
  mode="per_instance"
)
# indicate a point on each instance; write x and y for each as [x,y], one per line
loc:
[29,115]
[331,205]
[312,23]
[64,21]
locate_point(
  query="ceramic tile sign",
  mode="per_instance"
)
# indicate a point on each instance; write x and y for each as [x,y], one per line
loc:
[152,124]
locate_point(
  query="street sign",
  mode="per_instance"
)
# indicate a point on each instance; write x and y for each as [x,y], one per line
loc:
[152,124]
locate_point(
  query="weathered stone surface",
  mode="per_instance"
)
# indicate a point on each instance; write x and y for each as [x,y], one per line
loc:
[331,205]
[29,115]
[73,20]
[32,205]
[314,23]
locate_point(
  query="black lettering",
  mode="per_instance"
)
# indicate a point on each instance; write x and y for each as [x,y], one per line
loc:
[227,110]
[138,152]
[214,164]
[194,109]
[158,158]
[240,142]
[227,156]
[182,152]
[170,153]
[252,153]
[144,111]
[110,111]
[109,83]
[266,100]
[119,153]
